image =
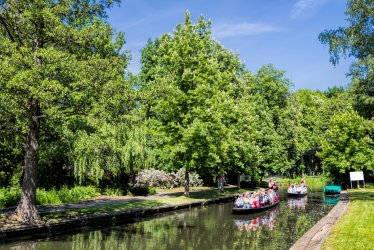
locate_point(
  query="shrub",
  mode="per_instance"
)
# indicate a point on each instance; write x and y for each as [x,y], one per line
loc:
[163,179]
[44,197]
[77,193]
[195,180]
[154,178]
[142,190]
[9,197]
[113,191]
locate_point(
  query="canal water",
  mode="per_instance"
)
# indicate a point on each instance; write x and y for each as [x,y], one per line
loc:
[210,227]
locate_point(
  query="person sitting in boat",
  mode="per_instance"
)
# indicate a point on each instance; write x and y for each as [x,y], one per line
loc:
[246,202]
[239,201]
[273,184]
[303,183]
[270,196]
[276,197]
[256,200]
[270,183]
[262,198]
[275,187]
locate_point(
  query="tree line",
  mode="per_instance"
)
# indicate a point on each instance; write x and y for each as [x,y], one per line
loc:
[72,113]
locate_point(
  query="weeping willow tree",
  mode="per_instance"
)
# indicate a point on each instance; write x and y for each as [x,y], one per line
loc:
[110,150]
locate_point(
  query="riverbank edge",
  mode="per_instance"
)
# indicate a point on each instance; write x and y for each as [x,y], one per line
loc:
[79,223]
[314,237]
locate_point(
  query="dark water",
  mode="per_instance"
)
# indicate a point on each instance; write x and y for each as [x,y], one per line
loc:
[210,227]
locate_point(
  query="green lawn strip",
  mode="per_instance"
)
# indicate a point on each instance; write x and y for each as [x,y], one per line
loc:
[355,229]
[314,183]
[194,196]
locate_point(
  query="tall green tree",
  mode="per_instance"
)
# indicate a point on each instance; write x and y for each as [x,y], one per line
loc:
[56,57]
[271,88]
[357,41]
[189,81]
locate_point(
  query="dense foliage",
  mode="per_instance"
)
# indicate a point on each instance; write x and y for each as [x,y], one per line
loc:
[58,59]
[349,139]
[70,110]
[357,41]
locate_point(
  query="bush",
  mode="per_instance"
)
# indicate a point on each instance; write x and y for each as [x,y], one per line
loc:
[142,190]
[154,178]
[77,193]
[163,179]
[44,197]
[9,197]
[113,192]
[180,181]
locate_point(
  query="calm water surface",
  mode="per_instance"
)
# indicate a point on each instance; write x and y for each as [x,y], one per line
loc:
[210,227]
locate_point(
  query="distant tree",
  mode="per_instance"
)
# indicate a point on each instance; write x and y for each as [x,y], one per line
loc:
[273,86]
[348,144]
[56,57]
[306,120]
[356,40]
[334,91]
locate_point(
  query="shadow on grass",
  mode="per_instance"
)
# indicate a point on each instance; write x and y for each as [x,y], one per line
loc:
[101,209]
[365,194]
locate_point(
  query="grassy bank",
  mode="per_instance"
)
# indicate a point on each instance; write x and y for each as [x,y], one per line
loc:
[355,229]
[172,199]
[315,183]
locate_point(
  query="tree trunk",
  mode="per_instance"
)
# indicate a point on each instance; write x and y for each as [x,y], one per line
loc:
[187,185]
[26,209]
[238,180]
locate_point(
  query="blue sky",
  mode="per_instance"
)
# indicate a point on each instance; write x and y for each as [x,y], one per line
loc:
[281,32]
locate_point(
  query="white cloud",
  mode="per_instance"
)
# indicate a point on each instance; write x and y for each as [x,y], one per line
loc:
[243,29]
[306,8]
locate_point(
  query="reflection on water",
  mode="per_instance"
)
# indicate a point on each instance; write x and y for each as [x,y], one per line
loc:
[211,227]
[331,199]
[266,219]
[297,202]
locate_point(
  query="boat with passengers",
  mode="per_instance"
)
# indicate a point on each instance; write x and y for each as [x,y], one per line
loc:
[256,201]
[295,190]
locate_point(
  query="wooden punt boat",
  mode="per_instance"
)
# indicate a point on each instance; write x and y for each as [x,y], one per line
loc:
[237,210]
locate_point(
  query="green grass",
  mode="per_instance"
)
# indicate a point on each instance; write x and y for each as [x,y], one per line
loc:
[355,229]
[10,196]
[315,183]
[194,196]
